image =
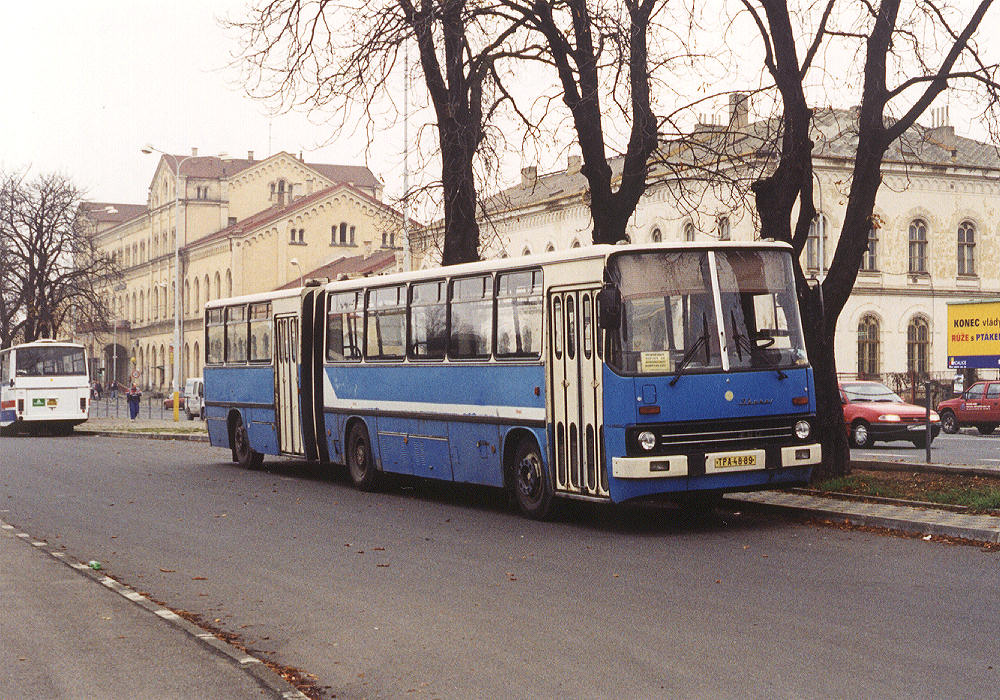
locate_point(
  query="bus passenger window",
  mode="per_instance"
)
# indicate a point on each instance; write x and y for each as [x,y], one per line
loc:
[570,328]
[588,326]
[386,324]
[344,323]
[236,334]
[557,330]
[519,314]
[214,337]
[471,317]
[260,332]
[428,321]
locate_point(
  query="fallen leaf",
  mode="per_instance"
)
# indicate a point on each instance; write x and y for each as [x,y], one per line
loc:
[169,571]
[198,578]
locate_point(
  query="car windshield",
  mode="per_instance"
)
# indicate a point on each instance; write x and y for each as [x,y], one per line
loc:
[871,391]
[50,361]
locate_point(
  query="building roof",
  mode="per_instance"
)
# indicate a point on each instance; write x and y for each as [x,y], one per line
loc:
[354,266]
[112,212]
[213,167]
[834,133]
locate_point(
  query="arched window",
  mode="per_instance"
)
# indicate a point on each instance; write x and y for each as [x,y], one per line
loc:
[688,231]
[723,226]
[187,360]
[816,244]
[229,283]
[550,248]
[966,248]
[196,297]
[868,347]
[208,289]
[134,315]
[656,236]
[142,306]
[918,246]
[526,251]
[187,296]
[142,251]
[218,285]
[576,244]
[918,346]
[197,360]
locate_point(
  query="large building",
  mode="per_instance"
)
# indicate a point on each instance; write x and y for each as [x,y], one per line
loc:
[243,226]
[936,236]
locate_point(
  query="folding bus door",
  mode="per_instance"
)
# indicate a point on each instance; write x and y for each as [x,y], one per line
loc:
[286,387]
[576,399]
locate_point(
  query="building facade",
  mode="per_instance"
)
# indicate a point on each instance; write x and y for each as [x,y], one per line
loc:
[935,238]
[240,226]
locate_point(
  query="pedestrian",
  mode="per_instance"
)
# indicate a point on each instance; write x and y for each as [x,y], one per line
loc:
[132,396]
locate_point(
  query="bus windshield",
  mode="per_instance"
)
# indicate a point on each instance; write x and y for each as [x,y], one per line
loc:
[759,309]
[668,313]
[50,361]
[669,322]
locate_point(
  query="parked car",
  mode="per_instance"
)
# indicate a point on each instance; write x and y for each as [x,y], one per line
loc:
[874,412]
[978,406]
[168,402]
[194,398]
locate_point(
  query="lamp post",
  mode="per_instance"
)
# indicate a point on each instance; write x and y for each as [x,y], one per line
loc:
[176,383]
[294,262]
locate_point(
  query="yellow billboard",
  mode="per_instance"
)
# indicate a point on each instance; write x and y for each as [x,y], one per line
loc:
[974,334]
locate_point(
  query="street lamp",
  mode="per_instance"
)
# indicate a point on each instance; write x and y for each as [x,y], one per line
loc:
[149,148]
[294,262]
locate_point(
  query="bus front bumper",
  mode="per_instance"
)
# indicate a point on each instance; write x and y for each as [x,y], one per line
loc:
[662,466]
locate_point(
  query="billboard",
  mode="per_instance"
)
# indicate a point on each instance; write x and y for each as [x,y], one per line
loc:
[974,335]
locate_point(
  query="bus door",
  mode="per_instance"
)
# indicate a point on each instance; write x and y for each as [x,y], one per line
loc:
[575,376]
[286,386]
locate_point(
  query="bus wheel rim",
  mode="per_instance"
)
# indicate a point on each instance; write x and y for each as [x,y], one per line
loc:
[528,477]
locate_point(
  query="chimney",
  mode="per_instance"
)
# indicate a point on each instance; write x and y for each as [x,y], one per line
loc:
[250,156]
[739,110]
[194,150]
[573,164]
[529,176]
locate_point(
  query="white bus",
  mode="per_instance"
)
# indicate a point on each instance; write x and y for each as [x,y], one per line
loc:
[44,385]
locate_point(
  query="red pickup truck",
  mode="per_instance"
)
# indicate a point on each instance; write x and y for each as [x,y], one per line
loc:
[978,406]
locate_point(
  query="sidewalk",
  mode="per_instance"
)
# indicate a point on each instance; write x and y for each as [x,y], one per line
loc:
[64,637]
[153,428]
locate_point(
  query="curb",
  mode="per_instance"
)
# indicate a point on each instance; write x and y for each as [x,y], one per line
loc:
[923,467]
[255,667]
[149,436]
[906,522]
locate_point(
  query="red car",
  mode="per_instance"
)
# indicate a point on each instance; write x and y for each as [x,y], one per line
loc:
[978,406]
[874,412]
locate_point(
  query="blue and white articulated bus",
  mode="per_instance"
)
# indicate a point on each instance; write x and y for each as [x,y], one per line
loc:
[44,386]
[607,373]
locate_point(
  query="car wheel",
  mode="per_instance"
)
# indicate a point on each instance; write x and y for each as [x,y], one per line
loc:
[246,456]
[949,423]
[532,485]
[986,428]
[861,435]
[360,462]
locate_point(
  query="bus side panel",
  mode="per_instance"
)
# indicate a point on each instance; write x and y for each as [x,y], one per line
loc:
[392,445]
[475,453]
[249,390]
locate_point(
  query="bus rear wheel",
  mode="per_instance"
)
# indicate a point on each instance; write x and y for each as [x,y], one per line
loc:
[531,483]
[246,456]
[360,463]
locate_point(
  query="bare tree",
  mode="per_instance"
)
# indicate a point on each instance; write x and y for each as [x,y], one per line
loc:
[344,56]
[600,49]
[909,58]
[52,272]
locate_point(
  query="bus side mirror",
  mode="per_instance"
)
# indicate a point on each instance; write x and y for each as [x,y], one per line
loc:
[609,308]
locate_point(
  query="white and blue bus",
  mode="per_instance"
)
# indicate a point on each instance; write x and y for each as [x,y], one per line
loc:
[44,385]
[606,373]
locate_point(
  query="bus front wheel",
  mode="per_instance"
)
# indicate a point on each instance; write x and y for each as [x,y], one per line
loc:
[246,456]
[364,475]
[532,486]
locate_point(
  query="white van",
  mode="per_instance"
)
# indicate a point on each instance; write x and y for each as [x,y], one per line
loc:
[194,398]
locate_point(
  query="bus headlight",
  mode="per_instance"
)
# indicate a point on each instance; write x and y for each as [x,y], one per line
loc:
[802,429]
[647,440]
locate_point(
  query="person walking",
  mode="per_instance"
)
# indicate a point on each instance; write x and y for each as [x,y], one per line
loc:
[132,396]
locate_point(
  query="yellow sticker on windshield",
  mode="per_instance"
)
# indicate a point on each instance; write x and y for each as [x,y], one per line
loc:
[656,362]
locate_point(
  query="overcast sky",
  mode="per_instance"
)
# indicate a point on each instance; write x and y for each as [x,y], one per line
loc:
[87,84]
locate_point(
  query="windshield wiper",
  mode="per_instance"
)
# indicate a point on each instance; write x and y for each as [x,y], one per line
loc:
[743,342]
[689,355]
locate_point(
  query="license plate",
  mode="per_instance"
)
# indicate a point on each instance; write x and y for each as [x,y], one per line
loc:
[736,461]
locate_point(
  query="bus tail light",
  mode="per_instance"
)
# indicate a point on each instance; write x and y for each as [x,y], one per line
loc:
[83,404]
[649,410]
[800,401]
[20,405]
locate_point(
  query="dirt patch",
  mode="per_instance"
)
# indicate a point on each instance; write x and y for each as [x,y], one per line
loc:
[980,494]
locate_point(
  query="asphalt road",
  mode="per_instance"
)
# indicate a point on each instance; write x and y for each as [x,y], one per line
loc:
[444,592]
[967,447]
